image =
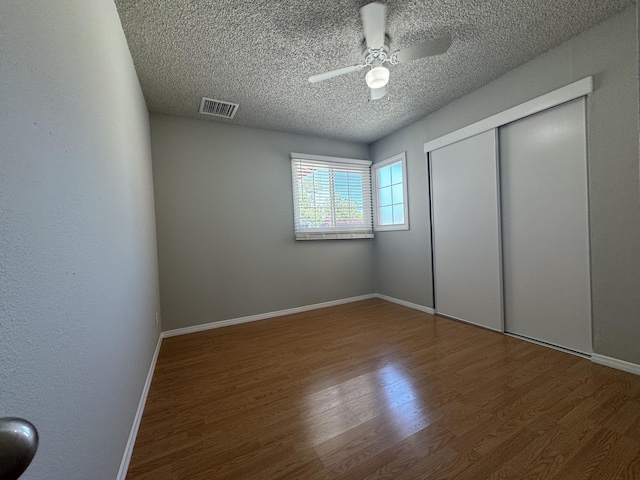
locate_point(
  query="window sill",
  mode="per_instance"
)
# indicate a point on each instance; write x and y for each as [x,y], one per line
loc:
[332,236]
[390,228]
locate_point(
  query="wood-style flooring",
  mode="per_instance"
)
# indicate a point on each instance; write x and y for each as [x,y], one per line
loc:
[373,390]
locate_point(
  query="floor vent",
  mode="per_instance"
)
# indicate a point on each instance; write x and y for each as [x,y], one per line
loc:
[217,108]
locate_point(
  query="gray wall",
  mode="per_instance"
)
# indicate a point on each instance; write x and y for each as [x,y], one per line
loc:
[224,211]
[609,52]
[78,269]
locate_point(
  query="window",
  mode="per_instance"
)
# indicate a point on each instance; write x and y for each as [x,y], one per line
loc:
[331,197]
[390,197]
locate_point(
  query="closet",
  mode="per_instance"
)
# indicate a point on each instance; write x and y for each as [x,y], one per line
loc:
[510,222]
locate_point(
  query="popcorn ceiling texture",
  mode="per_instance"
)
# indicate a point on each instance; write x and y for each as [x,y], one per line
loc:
[259,54]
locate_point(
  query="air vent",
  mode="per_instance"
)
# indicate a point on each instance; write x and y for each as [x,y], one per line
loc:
[217,108]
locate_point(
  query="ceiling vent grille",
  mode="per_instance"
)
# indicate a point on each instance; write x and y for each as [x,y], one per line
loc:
[217,108]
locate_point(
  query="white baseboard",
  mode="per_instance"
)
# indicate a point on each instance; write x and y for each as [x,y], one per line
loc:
[615,363]
[404,303]
[128,451]
[263,316]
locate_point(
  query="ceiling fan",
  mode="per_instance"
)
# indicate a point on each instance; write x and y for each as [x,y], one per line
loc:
[376,52]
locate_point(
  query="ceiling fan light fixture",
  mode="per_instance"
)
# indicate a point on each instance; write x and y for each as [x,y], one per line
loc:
[377,77]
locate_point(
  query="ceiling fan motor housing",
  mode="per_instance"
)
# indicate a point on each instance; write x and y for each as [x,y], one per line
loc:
[377,56]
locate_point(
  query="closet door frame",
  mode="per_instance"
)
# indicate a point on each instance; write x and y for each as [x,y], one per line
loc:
[580,88]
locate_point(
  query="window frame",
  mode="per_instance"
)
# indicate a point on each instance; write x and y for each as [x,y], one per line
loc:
[362,167]
[377,227]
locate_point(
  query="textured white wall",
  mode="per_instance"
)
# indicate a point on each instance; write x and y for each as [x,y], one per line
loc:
[78,269]
[225,225]
[608,51]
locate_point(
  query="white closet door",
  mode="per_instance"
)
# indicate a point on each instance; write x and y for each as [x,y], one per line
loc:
[466,247]
[545,227]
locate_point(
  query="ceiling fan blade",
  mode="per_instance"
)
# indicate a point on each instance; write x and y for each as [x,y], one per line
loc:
[333,73]
[374,18]
[424,49]
[378,93]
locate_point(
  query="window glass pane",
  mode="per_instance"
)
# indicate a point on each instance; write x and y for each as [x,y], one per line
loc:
[386,216]
[385,196]
[384,177]
[396,172]
[397,194]
[391,205]
[398,214]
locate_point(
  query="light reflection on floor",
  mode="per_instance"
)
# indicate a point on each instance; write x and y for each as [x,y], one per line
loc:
[387,393]
[404,406]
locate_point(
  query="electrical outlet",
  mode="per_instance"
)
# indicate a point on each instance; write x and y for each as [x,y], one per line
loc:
[157,320]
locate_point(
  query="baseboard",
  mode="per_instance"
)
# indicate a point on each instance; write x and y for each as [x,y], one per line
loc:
[404,303]
[128,451]
[263,316]
[615,363]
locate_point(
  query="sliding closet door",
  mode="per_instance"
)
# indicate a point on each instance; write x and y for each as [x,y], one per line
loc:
[545,227]
[466,248]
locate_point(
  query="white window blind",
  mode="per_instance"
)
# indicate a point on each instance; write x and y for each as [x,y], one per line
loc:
[331,197]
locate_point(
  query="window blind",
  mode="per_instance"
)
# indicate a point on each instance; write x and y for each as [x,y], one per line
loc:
[331,197]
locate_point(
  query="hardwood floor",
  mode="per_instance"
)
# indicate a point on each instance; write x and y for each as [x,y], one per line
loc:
[373,390]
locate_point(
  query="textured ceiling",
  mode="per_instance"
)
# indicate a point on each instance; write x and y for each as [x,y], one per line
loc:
[259,54]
